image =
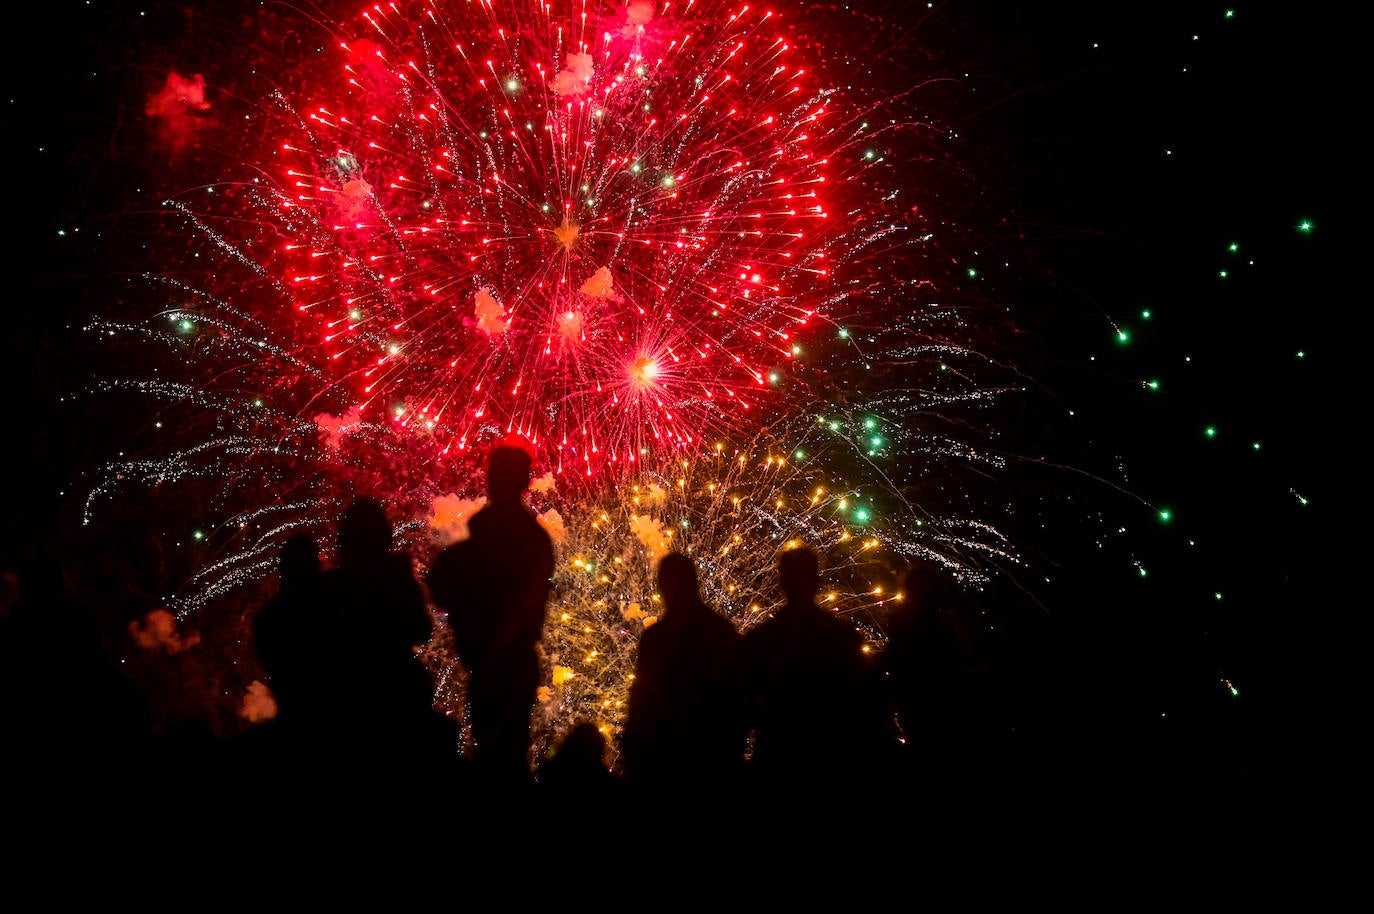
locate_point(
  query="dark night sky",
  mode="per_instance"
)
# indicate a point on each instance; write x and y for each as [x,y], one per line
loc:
[1109,180]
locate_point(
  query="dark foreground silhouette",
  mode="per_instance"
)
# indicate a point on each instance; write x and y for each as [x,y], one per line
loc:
[814,703]
[494,586]
[381,711]
[800,709]
[286,632]
[684,725]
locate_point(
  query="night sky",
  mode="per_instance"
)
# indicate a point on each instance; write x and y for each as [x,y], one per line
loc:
[1146,189]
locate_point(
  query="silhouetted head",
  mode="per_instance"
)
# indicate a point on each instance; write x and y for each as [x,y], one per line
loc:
[799,573]
[677,580]
[364,532]
[299,561]
[585,744]
[508,473]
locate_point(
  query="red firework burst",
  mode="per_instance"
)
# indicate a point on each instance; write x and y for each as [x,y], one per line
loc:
[599,231]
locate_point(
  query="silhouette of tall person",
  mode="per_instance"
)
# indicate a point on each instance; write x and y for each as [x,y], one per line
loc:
[381,700]
[683,727]
[493,586]
[577,770]
[815,704]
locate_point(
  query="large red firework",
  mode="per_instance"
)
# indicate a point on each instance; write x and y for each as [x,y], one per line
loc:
[600,229]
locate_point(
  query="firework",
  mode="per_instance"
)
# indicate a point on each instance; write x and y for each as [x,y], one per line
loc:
[601,231]
[732,509]
[651,240]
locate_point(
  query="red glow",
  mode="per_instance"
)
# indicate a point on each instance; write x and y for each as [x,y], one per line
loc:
[470,209]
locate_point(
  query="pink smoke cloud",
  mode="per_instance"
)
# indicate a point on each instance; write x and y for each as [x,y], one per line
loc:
[599,285]
[179,109]
[491,316]
[158,631]
[258,703]
[552,522]
[576,78]
[334,428]
[637,14]
[449,516]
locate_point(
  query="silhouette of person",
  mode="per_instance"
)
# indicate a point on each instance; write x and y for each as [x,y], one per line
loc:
[814,703]
[683,726]
[381,701]
[578,767]
[493,586]
[286,632]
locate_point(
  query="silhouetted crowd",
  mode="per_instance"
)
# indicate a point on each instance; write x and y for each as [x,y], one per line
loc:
[797,701]
[796,706]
